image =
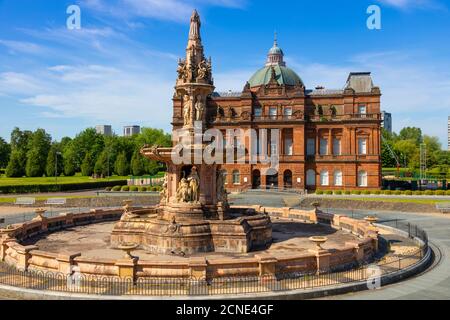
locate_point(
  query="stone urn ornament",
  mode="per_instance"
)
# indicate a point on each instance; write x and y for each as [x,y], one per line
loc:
[40,213]
[371,220]
[316,205]
[319,241]
[127,248]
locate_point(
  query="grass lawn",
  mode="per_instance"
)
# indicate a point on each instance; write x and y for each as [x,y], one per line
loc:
[421,201]
[4,181]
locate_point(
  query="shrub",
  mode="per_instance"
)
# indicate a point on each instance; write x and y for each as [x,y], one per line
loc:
[319,191]
[377,192]
[440,193]
[125,188]
[116,188]
[142,189]
[347,192]
[329,192]
[357,192]
[366,192]
[108,189]
[447,192]
[408,193]
[387,192]
[43,188]
[338,192]
[429,193]
[397,192]
[134,188]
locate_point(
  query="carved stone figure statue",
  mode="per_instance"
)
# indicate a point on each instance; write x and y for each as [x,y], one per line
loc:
[194,184]
[204,70]
[183,191]
[163,193]
[220,186]
[199,108]
[187,110]
[182,74]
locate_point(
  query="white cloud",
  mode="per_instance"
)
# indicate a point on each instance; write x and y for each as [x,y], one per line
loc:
[22,47]
[413,4]
[95,93]
[172,10]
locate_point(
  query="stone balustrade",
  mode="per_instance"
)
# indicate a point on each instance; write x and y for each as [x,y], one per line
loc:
[262,264]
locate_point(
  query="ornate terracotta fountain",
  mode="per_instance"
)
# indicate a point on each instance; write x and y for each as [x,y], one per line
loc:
[193,215]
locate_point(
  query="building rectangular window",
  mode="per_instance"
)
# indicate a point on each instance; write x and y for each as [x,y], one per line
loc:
[287,112]
[362,109]
[337,147]
[362,146]
[323,147]
[288,146]
[273,112]
[310,147]
[258,112]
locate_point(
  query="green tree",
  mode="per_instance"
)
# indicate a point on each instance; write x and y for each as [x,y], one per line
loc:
[14,168]
[103,165]
[69,159]
[407,152]
[5,152]
[122,167]
[411,133]
[87,141]
[19,148]
[137,164]
[153,137]
[54,161]
[38,148]
[87,167]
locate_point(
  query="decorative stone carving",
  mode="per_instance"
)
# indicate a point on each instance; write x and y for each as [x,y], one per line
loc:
[182,71]
[199,108]
[298,115]
[194,184]
[245,115]
[183,192]
[187,110]
[164,192]
[221,192]
[204,70]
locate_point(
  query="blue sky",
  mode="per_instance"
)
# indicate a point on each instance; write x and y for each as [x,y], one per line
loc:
[120,68]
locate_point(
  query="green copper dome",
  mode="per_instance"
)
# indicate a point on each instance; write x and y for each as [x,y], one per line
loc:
[283,75]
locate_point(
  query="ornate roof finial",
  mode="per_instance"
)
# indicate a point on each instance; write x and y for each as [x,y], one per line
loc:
[275,43]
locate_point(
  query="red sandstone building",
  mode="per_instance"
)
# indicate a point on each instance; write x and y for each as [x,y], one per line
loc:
[330,139]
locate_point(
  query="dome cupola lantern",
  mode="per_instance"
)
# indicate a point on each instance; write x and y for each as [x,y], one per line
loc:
[275,56]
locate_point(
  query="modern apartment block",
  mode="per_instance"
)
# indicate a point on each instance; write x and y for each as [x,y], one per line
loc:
[105,130]
[386,119]
[129,131]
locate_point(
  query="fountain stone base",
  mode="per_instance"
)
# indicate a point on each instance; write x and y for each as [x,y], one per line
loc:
[159,231]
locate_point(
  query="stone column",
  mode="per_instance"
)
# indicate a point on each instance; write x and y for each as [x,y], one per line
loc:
[4,245]
[198,268]
[24,255]
[127,268]
[330,141]
[65,262]
[267,265]
[323,261]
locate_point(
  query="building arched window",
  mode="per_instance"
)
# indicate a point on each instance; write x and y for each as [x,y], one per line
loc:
[338,181]
[310,177]
[324,178]
[236,177]
[362,179]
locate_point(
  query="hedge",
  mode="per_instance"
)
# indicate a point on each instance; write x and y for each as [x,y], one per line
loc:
[385,192]
[41,188]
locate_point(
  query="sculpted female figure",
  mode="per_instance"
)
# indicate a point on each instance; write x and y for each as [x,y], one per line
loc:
[199,108]
[194,184]
[187,110]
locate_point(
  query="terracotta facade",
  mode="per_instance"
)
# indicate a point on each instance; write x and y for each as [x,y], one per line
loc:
[342,128]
